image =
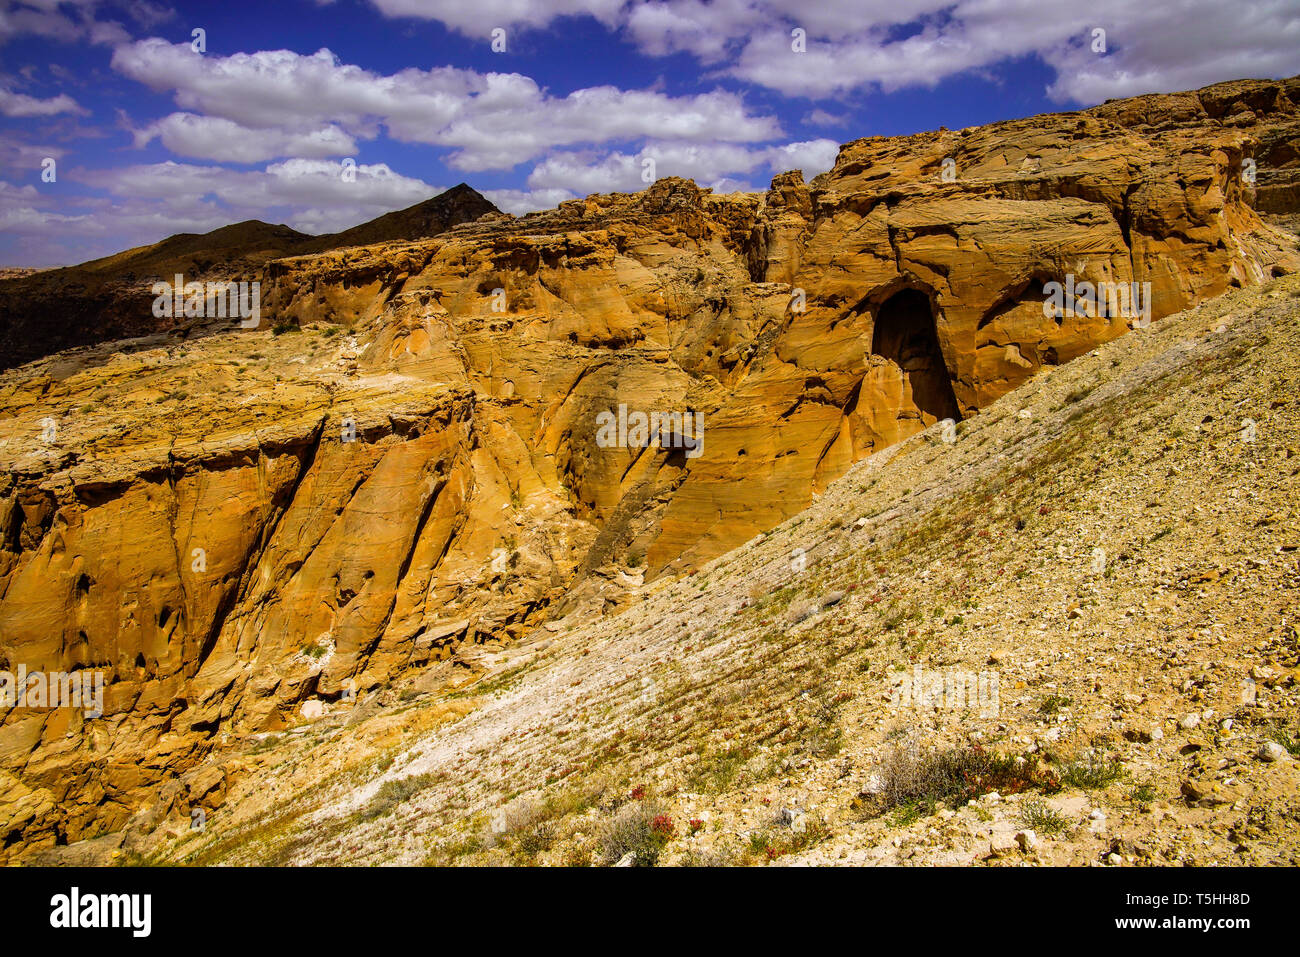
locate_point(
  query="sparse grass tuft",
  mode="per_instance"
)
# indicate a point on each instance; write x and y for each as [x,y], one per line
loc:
[536,839]
[1144,793]
[913,811]
[1092,773]
[1291,743]
[1054,703]
[393,793]
[1041,818]
[715,772]
[773,842]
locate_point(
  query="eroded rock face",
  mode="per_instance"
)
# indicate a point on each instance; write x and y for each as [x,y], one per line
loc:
[110,298]
[244,528]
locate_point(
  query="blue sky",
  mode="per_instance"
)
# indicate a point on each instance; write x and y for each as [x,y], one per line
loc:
[150,137]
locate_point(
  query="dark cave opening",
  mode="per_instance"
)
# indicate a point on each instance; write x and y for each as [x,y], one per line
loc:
[905,334]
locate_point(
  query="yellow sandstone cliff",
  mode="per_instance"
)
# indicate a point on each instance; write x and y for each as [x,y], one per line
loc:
[244,528]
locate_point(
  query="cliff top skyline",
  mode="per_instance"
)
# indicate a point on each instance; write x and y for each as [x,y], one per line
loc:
[124,123]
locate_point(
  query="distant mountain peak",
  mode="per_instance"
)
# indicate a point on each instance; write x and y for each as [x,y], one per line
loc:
[437,214]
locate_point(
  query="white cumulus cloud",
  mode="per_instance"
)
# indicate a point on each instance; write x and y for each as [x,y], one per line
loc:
[217,138]
[20,104]
[491,121]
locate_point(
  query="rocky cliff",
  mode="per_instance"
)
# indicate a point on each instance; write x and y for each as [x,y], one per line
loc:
[1066,637]
[247,529]
[44,311]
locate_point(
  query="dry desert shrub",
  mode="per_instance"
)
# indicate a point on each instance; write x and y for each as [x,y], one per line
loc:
[641,829]
[912,778]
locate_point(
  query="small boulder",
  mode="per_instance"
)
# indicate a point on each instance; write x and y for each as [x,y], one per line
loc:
[1271,751]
